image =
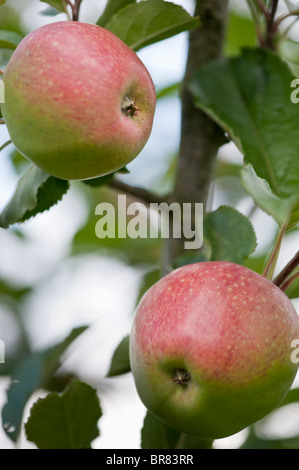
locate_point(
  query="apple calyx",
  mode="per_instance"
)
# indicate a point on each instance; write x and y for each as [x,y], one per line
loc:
[128,106]
[182,377]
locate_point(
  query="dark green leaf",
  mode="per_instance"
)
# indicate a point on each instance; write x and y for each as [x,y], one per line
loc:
[120,363]
[112,6]
[156,434]
[279,208]
[101,181]
[29,375]
[230,235]
[2,2]
[9,39]
[65,421]
[252,103]
[147,22]
[57,4]
[36,192]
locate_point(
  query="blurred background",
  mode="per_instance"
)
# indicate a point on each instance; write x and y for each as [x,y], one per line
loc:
[55,274]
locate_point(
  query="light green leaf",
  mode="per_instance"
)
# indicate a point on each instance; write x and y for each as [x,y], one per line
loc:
[249,97]
[279,208]
[230,235]
[9,39]
[240,33]
[57,4]
[144,23]
[112,6]
[50,12]
[120,363]
[289,51]
[30,374]
[65,421]
[36,192]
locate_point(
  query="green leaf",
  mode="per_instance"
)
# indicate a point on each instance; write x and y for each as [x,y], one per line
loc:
[57,4]
[2,2]
[156,434]
[279,208]
[120,363]
[36,192]
[144,23]
[50,12]
[65,421]
[111,8]
[9,39]
[289,51]
[252,103]
[240,33]
[5,55]
[230,235]
[29,375]
[170,90]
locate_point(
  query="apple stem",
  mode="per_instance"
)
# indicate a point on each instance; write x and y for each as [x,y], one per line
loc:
[182,377]
[285,277]
[128,106]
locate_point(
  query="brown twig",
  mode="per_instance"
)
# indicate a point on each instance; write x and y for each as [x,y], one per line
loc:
[287,271]
[139,193]
[75,10]
[284,17]
[271,26]
[2,121]
[263,9]
[5,145]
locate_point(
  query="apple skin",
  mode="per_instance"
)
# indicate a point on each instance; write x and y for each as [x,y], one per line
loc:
[65,86]
[210,348]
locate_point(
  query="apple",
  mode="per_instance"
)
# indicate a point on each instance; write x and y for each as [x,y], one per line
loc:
[210,348]
[79,103]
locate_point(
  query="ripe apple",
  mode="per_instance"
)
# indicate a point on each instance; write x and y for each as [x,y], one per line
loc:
[210,348]
[79,103]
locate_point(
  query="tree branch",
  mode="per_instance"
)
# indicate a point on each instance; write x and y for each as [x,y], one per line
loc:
[287,271]
[138,193]
[200,135]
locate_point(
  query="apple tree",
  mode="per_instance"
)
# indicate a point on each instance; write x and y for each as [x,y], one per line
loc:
[236,159]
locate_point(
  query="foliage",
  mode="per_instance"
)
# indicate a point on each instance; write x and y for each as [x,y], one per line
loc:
[246,92]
